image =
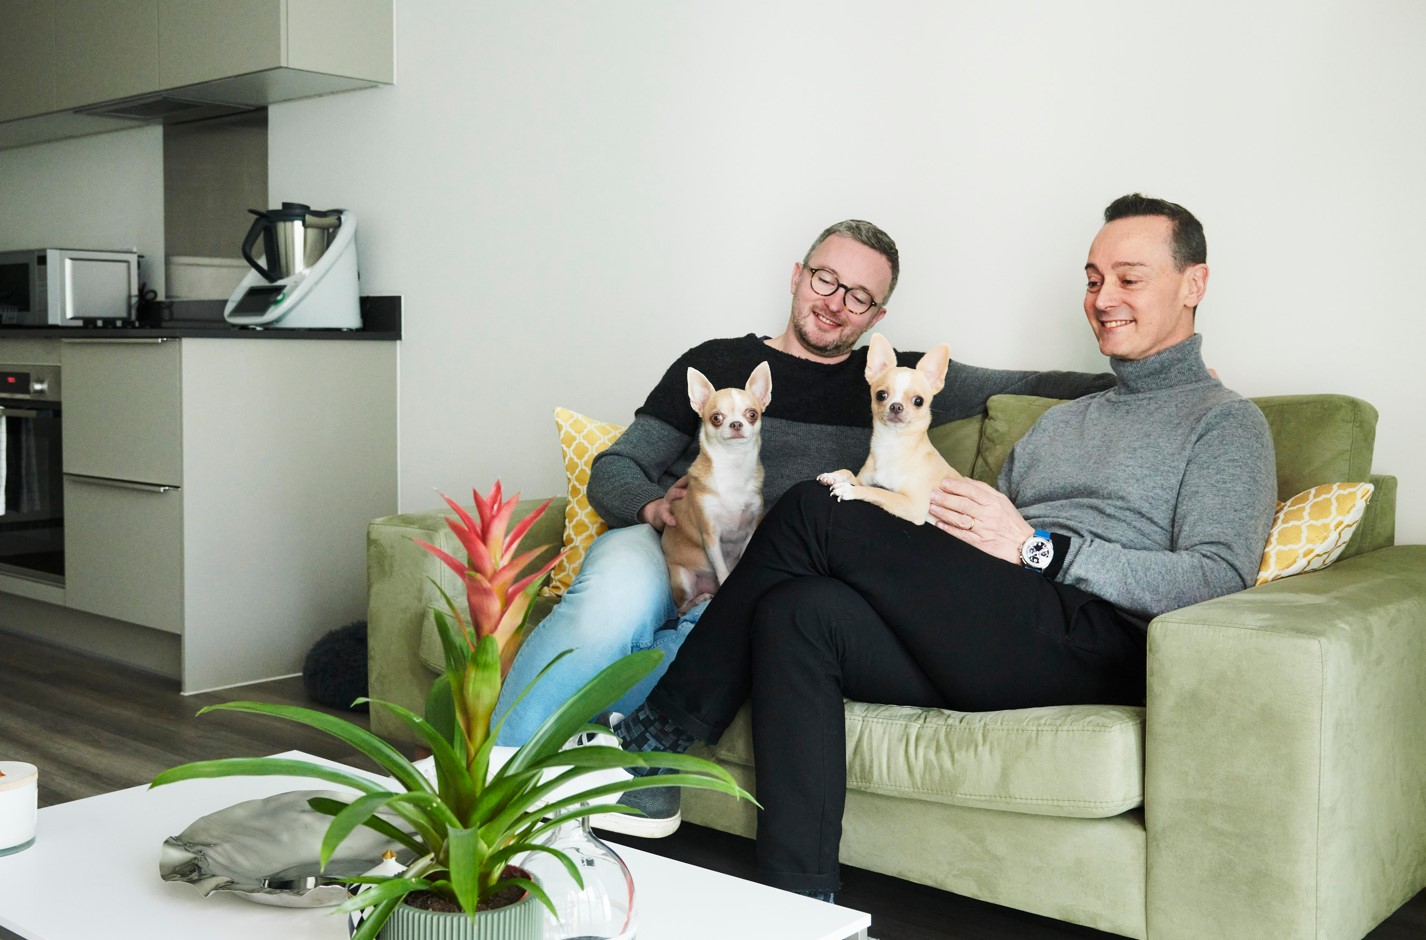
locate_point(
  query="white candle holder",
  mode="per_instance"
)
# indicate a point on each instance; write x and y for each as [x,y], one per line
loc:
[19,805]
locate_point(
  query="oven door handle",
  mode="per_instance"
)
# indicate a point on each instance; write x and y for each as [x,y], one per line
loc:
[25,413]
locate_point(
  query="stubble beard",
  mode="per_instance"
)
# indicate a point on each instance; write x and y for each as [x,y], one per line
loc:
[839,347]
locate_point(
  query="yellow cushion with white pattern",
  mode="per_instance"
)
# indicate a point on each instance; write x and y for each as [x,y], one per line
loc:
[1310,530]
[581,438]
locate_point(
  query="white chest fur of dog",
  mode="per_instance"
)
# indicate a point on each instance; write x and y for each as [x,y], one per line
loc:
[725,487]
[903,467]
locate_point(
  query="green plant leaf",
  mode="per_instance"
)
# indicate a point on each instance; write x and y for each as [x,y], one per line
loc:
[388,757]
[440,709]
[454,781]
[503,857]
[360,812]
[467,862]
[531,887]
[266,767]
[592,698]
[331,807]
[387,890]
[380,914]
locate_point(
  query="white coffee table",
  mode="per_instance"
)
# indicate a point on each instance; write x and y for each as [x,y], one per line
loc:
[93,872]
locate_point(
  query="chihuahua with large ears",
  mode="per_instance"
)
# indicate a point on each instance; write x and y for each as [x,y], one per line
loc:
[725,487]
[903,468]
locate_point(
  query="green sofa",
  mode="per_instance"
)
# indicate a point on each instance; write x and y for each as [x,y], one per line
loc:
[1273,785]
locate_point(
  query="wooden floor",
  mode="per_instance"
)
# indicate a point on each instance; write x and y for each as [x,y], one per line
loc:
[92,727]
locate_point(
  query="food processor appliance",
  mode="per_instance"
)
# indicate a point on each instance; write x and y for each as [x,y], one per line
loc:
[307,278]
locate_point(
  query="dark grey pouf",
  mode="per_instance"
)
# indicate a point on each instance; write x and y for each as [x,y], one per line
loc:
[334,672]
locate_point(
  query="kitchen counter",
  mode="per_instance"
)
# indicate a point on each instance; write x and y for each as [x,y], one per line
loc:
[202,319]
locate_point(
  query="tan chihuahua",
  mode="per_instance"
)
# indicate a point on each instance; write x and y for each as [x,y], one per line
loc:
[903,467]
[725,487]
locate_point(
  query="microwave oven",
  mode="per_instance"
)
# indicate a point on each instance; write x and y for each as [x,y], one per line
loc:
[67,286]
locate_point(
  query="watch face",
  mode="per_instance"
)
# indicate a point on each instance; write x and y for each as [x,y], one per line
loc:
[1037,552]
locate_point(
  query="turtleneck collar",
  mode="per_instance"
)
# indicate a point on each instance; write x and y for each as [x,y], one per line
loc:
[1180,364]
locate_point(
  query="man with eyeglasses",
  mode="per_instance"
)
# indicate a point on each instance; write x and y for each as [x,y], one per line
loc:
[819,419]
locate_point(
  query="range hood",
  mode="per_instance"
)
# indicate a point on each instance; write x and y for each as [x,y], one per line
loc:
[232,95]
[163,109]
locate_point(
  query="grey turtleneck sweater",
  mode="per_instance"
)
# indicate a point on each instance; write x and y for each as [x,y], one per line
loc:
[1165,484]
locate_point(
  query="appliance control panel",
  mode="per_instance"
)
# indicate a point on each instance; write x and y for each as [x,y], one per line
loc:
[32,383]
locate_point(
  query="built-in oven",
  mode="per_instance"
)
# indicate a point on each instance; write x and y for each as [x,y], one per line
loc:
[31,473]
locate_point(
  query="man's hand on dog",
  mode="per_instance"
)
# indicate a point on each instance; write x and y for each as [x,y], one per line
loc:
[980,515]
[659,512]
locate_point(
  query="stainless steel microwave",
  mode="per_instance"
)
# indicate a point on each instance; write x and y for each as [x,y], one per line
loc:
[67,286]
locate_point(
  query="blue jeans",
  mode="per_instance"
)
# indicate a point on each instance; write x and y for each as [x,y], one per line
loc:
[618,604]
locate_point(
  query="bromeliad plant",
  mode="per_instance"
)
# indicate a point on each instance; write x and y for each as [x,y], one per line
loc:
[473,822]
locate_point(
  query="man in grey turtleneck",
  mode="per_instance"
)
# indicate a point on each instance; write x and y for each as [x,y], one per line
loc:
[1114,508]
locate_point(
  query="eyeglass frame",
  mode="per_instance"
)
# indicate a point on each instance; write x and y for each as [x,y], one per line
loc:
[846,289]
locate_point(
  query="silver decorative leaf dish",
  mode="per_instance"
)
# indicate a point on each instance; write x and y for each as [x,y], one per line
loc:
[266,851]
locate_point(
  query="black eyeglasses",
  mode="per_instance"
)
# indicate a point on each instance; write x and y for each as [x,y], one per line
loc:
[825,284]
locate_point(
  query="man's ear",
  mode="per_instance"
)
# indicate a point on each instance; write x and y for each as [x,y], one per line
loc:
[699,389]
[1196,284]
[879,356]
[796,273]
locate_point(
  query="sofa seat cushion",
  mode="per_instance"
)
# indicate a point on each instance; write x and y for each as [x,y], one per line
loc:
[1082,761]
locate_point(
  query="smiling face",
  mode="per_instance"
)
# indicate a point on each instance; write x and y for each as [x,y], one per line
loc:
[1137,301]
[823,327]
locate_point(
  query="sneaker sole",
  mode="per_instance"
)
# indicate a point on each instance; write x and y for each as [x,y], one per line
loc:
[641,827]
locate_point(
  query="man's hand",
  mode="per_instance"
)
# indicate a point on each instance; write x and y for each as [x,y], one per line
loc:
[659,512]
[980,515]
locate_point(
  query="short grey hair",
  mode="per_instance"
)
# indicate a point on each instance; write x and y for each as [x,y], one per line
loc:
[864,232]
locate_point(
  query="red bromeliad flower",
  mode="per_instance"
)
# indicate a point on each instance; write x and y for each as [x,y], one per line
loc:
[498,593]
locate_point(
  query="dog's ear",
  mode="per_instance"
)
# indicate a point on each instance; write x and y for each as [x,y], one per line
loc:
[760,385]
[699,389]
[879,357]
[933,366]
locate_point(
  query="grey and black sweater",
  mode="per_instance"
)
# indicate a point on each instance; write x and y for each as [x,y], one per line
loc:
[819,420]
[1164,485]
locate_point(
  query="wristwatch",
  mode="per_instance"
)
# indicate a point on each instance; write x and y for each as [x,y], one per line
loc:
[1038,551]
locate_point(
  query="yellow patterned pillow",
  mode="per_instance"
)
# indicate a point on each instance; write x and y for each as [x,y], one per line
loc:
[1311,529]
[581,437]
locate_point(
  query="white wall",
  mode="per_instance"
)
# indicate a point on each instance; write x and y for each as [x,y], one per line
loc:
[87,192]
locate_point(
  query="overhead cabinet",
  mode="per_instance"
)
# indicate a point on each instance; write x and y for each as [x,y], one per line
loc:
[89,66]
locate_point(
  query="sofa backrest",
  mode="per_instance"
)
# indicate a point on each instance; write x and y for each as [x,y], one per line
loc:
[1317,439]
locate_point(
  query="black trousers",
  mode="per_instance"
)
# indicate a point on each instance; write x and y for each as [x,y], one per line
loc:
[835,600]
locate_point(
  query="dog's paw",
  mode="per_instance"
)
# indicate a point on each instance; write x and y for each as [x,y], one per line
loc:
[834,478]
[844,489]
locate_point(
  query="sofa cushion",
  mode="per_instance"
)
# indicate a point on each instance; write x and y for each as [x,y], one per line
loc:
[1073,760]
[581,439]
[1310,530]
[1007,418]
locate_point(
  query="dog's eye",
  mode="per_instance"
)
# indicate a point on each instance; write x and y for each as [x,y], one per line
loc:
[751,415]
[881,395]
[717,419]
[918,401]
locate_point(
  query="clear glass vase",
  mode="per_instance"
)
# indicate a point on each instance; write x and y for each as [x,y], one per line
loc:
[603,909]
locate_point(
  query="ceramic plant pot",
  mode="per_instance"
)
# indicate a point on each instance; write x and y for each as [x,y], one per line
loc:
[523,920]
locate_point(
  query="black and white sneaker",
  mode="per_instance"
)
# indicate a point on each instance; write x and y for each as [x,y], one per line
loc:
[659,807]
[661,811]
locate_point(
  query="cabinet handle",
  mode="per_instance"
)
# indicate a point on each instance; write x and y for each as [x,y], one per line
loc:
[121,484]
[26,413]
[150,341]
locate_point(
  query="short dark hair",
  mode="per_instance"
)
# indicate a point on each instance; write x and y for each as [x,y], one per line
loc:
[867,234]
[1189,245]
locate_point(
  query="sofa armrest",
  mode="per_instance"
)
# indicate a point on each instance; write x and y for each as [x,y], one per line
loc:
[400,596]
[1285,780]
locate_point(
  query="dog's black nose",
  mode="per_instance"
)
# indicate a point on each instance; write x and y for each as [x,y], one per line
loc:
[735,425]
[896,408]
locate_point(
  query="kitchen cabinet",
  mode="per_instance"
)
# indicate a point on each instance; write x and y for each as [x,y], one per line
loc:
[117,43]
[27,80]
[217,493]
[138,58]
